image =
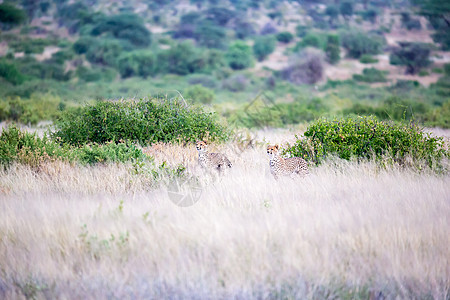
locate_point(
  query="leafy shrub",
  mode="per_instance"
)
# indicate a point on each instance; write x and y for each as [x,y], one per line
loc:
[200,94]
[305,68]
[83,44]
[106,153]
[104,52]
[11,15]
[439,117]
[28,148]
[182,59]
[31,111]
[366,137]
[412,55]
[371,75]
[285,37]
[367,59]
[128,27]
[30,46]
[210,35]
[263,46]
[423,73]
[410,23]
[301,30]
[10,73]
[243,28]
[370,15]
[315,40]
[136,63]
[358,43]
[332,49]
[239,56]
[346,9]
[143,121]
[94,74]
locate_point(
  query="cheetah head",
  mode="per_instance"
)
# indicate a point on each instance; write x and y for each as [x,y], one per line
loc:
[272,150]
[201,146]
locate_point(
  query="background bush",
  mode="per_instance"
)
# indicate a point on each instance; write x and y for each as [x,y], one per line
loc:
[366,137]
[143,121]
[263,46]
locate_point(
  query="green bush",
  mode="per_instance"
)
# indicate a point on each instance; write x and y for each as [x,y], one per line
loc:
[412,55]
[143,121]
[358,43]
[10,73]
[239,56]
[365,138]
[263,46]
[285,37]
[30,46]
[182,59]
[332,49]
[210,35]
[11,15]
[367,59]
[30,111]
[315,40]
[136,63]
[371,75]
[94,74]
[129,27]
[28,148]
[199,94]
[107,153]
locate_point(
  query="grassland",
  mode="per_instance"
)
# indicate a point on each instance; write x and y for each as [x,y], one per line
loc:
[348,231]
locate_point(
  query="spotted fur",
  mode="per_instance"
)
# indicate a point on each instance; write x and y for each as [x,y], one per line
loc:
[280,166]
[211,161]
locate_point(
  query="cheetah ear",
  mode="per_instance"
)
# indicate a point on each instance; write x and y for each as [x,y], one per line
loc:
[276,146]
[205,142]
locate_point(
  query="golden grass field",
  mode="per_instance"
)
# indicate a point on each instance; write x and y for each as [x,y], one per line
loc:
[348,231]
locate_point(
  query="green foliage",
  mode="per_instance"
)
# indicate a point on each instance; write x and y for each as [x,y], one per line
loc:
[285,37]
[200,94]
[239,56]
[236,83]
[263,46]
[128,27]
[371,75]
[370,15]
[136,63]
[333,13]
[10,73]
[104,52]
[301,30]
[30,46]
[94,74]
[367,59]
[107,153]
[182,59]
[365,138]
[439,117]
[30,111]
[312,39]
[28,148]
[346,9]
[358,43]
[332,49]
[210,35]
[10,15]
[412,55]
[143,121]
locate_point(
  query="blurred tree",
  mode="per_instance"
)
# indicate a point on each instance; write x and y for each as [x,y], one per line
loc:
[239,56]
[199,94]
[11,16]
[263,46]
[346,9]
[358,43]
[285,37]
[333,13]
[332,49]
[414,56]
[438,13]
[210,35]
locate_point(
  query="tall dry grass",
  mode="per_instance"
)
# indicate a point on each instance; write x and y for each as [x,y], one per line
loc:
[347,231]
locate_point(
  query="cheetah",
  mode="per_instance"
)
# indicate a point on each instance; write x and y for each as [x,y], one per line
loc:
[217,161]
[280,166]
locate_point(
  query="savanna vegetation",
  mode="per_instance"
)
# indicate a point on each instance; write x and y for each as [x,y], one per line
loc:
[101,103]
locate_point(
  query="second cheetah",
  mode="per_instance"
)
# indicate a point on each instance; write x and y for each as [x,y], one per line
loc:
[216,161]
[280,166]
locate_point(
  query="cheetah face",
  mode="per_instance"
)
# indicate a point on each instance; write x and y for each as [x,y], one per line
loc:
[201,146]
[272,150]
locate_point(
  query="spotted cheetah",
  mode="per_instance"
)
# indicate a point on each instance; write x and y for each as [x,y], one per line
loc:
[217,161]
[280,166]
